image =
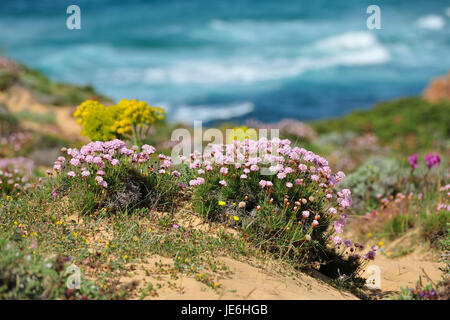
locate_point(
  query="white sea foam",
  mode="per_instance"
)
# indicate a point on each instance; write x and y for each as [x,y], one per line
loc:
[352,48]
[348,49]
[431,22]
[187,114]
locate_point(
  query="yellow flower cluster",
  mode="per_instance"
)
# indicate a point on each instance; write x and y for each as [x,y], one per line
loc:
[241,133]
[116,121]
[133,112]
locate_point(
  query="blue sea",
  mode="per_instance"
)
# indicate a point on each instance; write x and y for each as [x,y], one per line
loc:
[217,60]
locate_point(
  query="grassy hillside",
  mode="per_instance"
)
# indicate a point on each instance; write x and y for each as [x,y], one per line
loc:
[141,224]
[406,123]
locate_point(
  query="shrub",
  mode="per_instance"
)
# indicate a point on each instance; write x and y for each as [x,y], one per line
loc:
[25,274]
[128,117]
[109,175]
[284,199]
[375,178]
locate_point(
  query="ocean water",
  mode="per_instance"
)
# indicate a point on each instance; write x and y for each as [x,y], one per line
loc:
[216,60]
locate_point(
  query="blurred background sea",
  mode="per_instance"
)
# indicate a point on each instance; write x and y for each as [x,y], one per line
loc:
[236,59]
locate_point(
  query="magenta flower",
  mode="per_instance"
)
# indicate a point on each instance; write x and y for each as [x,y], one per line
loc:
[432,160]
[176,174]
[413,161]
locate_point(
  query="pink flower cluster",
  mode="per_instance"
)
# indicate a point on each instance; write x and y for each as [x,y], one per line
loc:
[284,166]
[431,160]
[98,156]
[289,126]
[15,173]
[15,140]
[276,155]
[444,205]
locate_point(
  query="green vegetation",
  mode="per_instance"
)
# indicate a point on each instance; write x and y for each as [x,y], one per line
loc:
[50,92]
[408,124]
[108,207]
[27,115]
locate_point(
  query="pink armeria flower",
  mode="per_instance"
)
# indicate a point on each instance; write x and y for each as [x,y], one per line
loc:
[99,179]
[243,176]
[71,174]
[224,170]
[114,162]
[281,175]
[100,173]
[263,183]
[289,185]
[338,227]
[288,170]
[223,183]
[97,160]
[337,240]
[75,162]
[85,173]
[176,174]
[305,214]
[89,159]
